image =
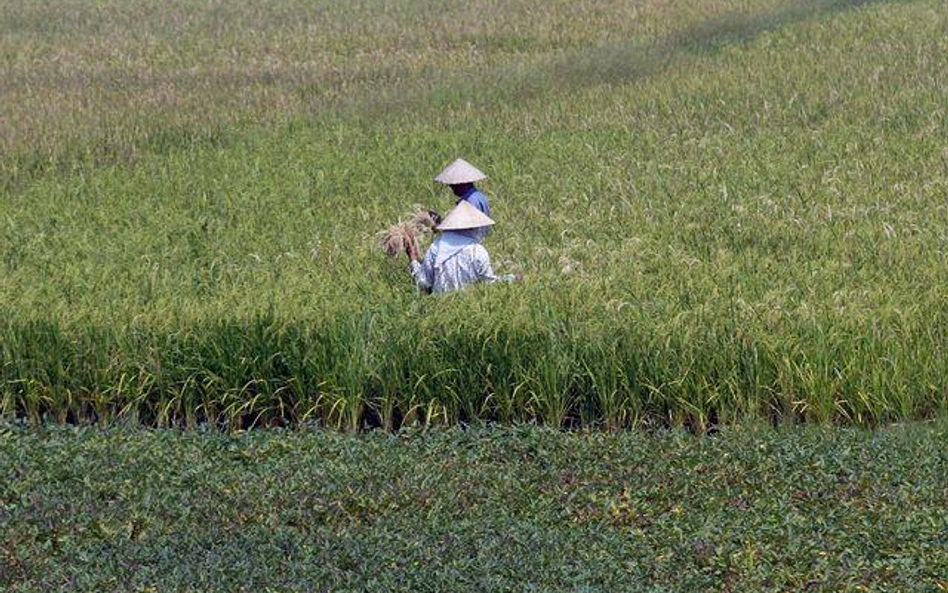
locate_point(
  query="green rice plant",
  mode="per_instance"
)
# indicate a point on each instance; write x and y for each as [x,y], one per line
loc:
[724,212]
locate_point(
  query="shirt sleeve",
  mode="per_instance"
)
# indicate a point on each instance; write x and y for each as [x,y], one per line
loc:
[423,272]
[485,273]
[483,204]
[479,201]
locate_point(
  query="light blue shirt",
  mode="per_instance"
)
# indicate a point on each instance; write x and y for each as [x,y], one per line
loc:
[467,263]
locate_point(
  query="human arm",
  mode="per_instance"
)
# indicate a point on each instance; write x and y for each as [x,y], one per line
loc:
[422,272]
[484,271]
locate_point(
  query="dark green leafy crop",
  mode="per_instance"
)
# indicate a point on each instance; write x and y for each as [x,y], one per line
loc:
[516,509]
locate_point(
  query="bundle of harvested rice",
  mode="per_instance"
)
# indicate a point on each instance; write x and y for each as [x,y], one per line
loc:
[425,220]
[408,233]
[398,238]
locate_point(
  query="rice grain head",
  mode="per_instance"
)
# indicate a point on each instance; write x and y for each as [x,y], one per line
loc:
[423,220]
[396,239]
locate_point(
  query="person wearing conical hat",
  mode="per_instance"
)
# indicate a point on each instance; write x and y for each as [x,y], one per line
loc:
[456,258]
[460,176]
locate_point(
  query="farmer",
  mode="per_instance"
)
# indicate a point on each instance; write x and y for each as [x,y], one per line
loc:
[456,258]
[460,177]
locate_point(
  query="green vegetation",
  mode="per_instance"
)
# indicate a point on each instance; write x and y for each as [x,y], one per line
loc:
[723,210]
[522,509]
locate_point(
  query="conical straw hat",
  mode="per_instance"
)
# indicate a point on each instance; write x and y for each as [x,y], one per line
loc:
[460,171]
[464,216]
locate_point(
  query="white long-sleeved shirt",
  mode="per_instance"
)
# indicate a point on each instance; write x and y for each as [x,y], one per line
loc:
[469,265]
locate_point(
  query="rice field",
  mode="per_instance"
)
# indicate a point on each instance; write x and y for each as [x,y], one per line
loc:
[724,211]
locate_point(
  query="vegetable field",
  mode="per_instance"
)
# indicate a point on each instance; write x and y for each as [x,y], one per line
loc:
[524,509]
[725,210]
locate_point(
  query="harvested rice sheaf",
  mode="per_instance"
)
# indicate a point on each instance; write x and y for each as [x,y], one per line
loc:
[424,220]
[400,236]
[397,238]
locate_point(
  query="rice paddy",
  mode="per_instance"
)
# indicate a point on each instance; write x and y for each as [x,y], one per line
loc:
[727,211]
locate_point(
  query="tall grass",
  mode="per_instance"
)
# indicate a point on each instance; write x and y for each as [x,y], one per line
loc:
[736,211]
